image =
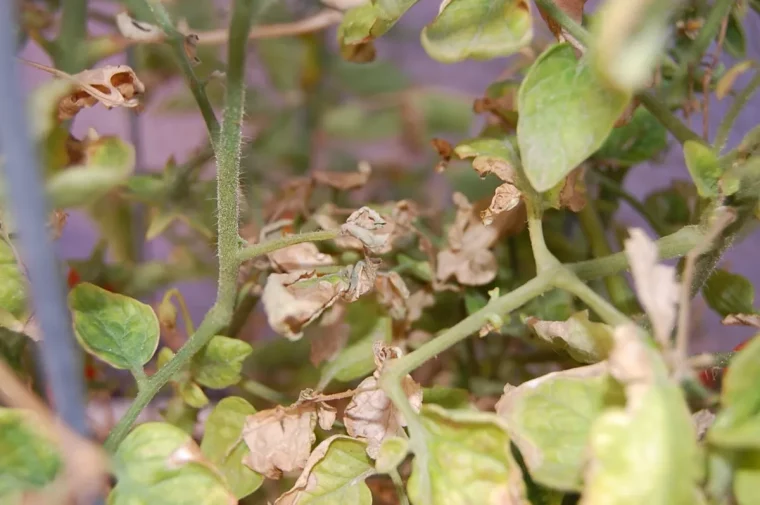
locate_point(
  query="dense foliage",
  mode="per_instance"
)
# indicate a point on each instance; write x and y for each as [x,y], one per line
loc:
[485,351]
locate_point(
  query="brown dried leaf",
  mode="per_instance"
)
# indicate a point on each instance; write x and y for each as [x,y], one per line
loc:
[499,167]
[462,220]
[573,193]
[445,151]
[332,337]
[303,256]
[573,8]
[742,320]
[392,293]
[291,200]
[417,303]
[326,222]
[279,439]
[344,180]
[656,285]
[113,86]
[506,197]
[361,280]
[369,227]
[630,364]
[190,44]
[294,300]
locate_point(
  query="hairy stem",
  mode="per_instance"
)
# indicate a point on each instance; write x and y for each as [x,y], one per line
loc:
[568,23]
[228,164]
[614,188]
[738,105]
[69,54]
[570,282]
[665,116]
[617,287]
[177,42]
[288,240]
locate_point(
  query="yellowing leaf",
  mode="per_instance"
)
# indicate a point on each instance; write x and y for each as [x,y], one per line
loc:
[468,460]
[333,475]
[218,364]
[362,24]
[656,285]
[726,83]
[478,29]
[584,340]
[550,417]
[566,114]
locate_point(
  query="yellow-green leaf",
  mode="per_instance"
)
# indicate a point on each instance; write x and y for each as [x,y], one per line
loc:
[566,114]
[478,29]
[362,24]
[583,339]
[467,460]
[224,447]
[218,364]
[12,282]
[118,329]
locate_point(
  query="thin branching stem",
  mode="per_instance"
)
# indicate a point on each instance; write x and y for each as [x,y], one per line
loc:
[709,31]
[288,240]
[738,105]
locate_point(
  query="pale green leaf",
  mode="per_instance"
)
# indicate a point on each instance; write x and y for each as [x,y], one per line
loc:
[391,453]
[566,114]
[12,282]
[28,459]
[43,106]
[478,29]
[467,460]
[218,364]
[118,329]
[334,475]
[584,340]
[193,395]
[550,418]
[747,478]
[224,447]
[362,24]
[160,463]
[702,163]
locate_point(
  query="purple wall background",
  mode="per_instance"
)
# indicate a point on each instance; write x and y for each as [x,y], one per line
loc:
[178,135]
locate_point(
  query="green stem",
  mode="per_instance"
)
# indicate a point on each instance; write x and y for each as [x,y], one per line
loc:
[613,187]
[618,289]
[739,104]
[228,164]
[545,260]
[665,116]
[568,281]
[140,378]
[288,240]
[709,31]
[266,393]
[69,47]
[568,23]
[177,42]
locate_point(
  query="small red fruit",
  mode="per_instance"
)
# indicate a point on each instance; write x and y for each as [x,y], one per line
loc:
[73,278]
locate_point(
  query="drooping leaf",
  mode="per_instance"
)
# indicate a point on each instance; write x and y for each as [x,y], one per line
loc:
[726,83]
[334,475]
[160,463]
[224,448]
[490,476]
[584,340]
[702,163]
[478,29]
[364,23]
[728,293]
[118,329]
[549,419]
[563,104]
[218,364]
[629,40]
[638,141]
[12,282]
[735,42]
[28,458]
[108,162]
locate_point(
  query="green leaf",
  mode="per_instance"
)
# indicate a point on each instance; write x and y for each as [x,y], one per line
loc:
[448,398]
[564,105]
[584,340]
[702,163]
[334,475]
[108,163]
[120,330]
[28,460]
[160,463]
[192,394]
[467,460]
[478,29]
[735,42]
[12,282]
[737,425]
[640,140]
[747,478]
[224,447]
[629,40]
[357,360]
[218,364]
[392,452]
[550,418]
[644,455]
[728,293]
[362,24]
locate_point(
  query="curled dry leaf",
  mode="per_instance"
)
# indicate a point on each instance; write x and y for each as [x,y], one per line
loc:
[344,180]
[630,363]
[371,415]
[303,256]
[291,200]
[369,227]
[361,278]
[462,220]
[393,293]
[332,337]
[279,439]
[295,299]
[506,197]
[135,30]
[113,86]
[445,151]
[742,320]
[499,167]
[656,285]
[347,242]
[573,193]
